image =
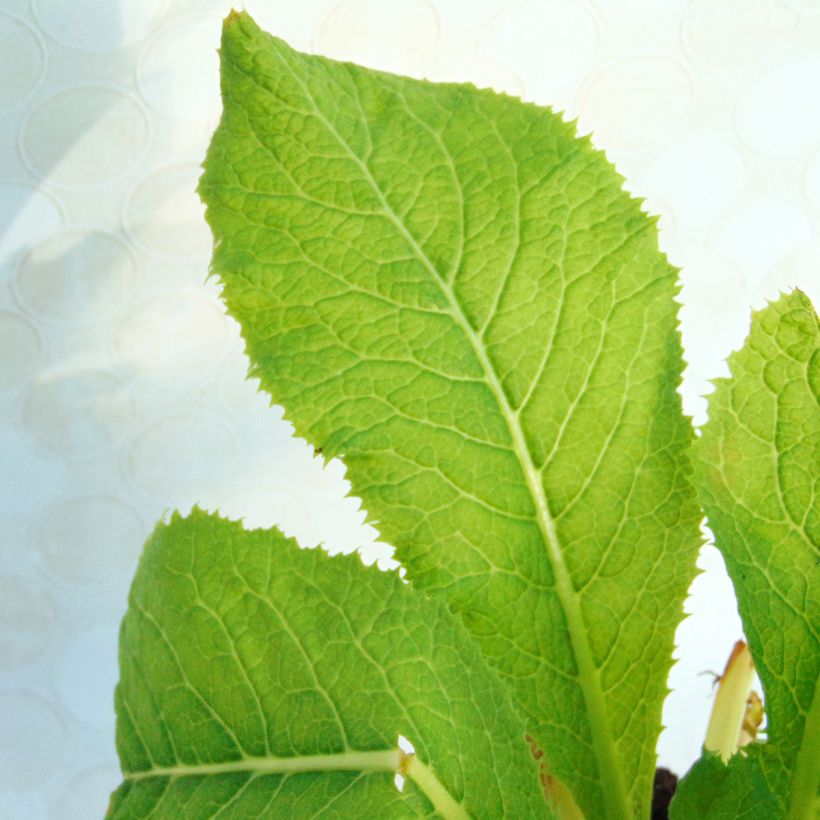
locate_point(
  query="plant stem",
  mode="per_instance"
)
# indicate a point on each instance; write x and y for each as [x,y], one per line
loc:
[424,777]
[726,721]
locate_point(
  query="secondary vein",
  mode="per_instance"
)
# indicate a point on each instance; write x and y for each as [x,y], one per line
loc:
[381,760]
[359,761]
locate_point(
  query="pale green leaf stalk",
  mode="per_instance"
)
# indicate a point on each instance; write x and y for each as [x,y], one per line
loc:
[261,680]
[450,290]
[726,721]
[758,468]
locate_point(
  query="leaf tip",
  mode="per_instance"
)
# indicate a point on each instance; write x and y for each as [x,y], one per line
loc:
[235,17]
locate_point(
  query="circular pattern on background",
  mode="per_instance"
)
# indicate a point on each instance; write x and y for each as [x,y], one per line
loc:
[798,268]
[114,24]
[87,674]
[553,43]
[22,61]
[703,176]
[86,794]
[158,218]
[711,295]
[74,413]
[762,232]
[91,538]
[295,23]
[38,743]
[481,72]
[180,458]
[737,33]
[27,215]
[647,13]
[710,283]
[242,393]
[400,36]
[27,620]
[85,136]
[21,350]
[77,276]
[268,503]
[811,181]
[636,102]
[35,480]
[164,214]
[776,116]
[177,337]
[178,72]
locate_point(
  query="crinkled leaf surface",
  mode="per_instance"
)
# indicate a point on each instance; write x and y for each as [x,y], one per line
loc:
[758,464]
[713,790]
[449,290]
[261,680]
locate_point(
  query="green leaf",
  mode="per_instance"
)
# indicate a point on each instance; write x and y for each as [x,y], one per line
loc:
[757,465]
[718,791]
[261,680]
[449,290]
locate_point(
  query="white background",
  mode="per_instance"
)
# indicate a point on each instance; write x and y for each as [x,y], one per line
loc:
[122,391]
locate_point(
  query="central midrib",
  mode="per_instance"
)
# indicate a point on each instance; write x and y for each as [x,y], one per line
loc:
[366,761]
[588,676]
[615,796]
[805,781]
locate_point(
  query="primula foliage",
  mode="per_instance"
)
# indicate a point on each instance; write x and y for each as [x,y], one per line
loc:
[758,469]
[259,679]
[449,290]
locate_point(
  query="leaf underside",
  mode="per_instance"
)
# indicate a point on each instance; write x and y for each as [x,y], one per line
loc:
[241,653]
[757,466]
[713,790]
[450,290]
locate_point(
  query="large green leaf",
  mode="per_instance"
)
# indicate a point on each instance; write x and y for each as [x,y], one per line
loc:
[758,467]
[261,680]
[449,290]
